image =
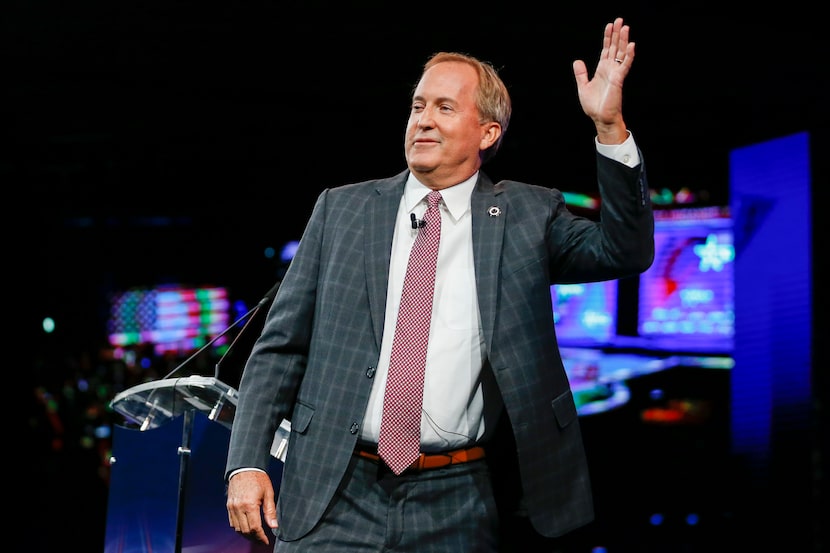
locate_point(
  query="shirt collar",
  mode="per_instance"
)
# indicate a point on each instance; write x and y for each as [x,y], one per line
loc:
[456,197]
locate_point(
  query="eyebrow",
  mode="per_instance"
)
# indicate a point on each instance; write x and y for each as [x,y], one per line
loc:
[438,100]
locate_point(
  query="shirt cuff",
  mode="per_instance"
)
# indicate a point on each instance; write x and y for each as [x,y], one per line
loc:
[625,153]
[237,471]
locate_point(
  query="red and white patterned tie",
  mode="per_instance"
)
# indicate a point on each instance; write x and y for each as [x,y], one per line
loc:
[399,442]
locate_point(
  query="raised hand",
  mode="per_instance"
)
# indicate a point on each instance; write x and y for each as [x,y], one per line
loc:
[601,96]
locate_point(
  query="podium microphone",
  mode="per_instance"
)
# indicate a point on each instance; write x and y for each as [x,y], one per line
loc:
[266,299]
[269,296]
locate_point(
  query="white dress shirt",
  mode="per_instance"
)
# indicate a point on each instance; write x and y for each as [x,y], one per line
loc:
[453,406]
[453,401]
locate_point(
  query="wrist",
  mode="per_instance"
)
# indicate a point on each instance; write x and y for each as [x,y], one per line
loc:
[616,133]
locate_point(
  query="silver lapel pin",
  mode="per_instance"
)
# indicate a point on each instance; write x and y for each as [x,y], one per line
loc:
[494,211]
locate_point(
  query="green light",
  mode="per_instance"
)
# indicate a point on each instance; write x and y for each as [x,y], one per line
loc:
[48,325]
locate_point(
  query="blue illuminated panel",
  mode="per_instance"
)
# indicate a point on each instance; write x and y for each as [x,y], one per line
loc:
[686,298]
[585,314]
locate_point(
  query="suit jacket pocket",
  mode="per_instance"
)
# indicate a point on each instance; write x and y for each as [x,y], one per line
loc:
[301,417]
[564,408]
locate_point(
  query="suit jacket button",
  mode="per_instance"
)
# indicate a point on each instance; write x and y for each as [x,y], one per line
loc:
[370,372]
[354,428]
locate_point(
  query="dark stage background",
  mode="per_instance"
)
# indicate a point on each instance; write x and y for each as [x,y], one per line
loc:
[154,142]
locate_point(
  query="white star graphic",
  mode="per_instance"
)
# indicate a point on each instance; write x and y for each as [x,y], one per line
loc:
[713,255]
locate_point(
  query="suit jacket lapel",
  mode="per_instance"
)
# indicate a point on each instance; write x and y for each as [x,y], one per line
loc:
[488,223]
[489,215]
[379,221]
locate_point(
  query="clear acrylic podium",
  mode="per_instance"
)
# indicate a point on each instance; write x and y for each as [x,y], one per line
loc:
[167,491]
[153,404]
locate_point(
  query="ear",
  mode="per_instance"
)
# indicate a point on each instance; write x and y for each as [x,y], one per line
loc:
[491,132]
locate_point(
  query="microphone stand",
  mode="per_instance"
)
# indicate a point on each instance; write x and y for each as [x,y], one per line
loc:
[249,315]
[187,426]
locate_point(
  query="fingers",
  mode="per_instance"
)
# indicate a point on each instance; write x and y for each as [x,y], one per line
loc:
[248,525]
[269,513]
[615,43]
[249,495]
[616,48]
[580,72]
[606,41]
[628,57]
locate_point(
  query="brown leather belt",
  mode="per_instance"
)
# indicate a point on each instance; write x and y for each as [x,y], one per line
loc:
[427,461]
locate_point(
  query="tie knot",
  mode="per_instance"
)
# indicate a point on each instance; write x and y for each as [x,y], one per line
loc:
[433,198]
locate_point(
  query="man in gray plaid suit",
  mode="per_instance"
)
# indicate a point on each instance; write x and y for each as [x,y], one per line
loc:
[500,439]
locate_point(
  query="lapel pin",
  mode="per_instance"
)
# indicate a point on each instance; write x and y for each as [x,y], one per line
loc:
[494,211]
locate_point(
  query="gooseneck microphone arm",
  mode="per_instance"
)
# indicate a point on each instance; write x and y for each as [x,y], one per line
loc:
[249,315]
[262,303]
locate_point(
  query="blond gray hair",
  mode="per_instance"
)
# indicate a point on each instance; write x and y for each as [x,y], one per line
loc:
[492,98]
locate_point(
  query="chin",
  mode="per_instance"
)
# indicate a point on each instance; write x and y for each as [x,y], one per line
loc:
[422,163]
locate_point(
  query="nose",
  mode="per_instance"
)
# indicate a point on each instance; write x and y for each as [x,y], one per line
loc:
[425,118]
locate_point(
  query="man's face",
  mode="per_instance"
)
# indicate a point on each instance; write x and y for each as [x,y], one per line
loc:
[443,134]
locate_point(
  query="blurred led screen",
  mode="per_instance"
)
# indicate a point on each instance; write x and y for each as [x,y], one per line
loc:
[170,317]
[686,298]
[585,314]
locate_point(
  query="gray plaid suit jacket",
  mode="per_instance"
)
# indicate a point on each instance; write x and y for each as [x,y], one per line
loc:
[314,361]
